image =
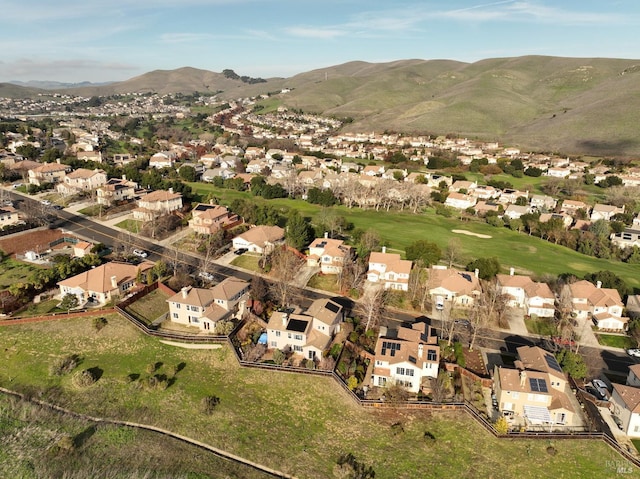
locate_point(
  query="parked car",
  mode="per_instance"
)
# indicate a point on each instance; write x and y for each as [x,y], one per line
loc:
[46,202]
[635,352]
[618,422]
[594,392]
[240,251]
[140,253]
[463,322]
[600,386]
[206,276]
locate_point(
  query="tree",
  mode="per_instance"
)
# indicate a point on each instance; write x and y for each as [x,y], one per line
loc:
[427,252]
[453,251]
[368,241]
[371,307]
[491,305]
[572,363]
[609,280]
[69,301]
[285,265]
[488,267]
[298,232]
[187,173]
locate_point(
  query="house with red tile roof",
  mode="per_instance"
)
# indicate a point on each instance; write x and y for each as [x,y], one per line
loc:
[389,270]
[329,254]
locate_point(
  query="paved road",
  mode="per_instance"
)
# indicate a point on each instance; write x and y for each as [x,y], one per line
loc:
[597,359]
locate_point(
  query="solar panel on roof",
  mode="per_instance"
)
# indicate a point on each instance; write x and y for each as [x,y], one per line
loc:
[538,385]
[333,307]
[297,325]
[552,363]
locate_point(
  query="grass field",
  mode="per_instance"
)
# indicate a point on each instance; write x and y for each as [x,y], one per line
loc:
[325,282]
[543,326]
[247,261]
[44,307]
[150,307]
[130,225]
[527,254]
[297,424]
[616,341]
[93,210]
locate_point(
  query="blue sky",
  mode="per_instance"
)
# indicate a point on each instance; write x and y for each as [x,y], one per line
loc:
[100,40]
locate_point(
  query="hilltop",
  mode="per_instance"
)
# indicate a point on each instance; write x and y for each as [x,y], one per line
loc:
[551,104]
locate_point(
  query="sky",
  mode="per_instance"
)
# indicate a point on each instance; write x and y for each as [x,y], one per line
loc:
[113,40]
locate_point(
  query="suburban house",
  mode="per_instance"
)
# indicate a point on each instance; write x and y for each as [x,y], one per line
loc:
[116,190]
[633,376]
[81,180]
[626,406]
[514,212]
[105,282]
[536,392]
[162,159]
[458,288]
[542,202]
[405,356]
[8,216]
[207,219]
[628,238]
[605,212]
[572,206]
[157,203]
[124,158]
[309,333]
[89,156]
[460,201]
[203,308]
[259,239]
[522,292]
[389,269]
[47,173]
[603,305]
[329,254]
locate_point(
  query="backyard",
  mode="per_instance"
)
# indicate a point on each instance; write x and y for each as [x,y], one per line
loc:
[298,424]
[150,307]
[13,271]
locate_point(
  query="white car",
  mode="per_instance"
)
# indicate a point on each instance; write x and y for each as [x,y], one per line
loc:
[635,352]
[140,253]
[46,202]
[206,276]
[601,386]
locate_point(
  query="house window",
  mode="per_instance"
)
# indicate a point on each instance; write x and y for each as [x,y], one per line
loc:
[409,372]
[289,335]
[382,381]
[400,371]
[636,428]
[177,305]
[297,337]
[277,334]
[175,315]
[515,395]
[297,349]
[274,344]
[432,354]
[312,354]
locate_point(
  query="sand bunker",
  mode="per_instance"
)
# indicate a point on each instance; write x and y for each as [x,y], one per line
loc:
[470,233]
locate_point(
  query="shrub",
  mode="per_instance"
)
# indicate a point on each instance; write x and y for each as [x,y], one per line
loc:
[224,327]
[278,357]
[208,404]
[352,383]
[552,451]
[310,364]
[84,379]
[99,323]
[429,439]
[501,425]
[61,366]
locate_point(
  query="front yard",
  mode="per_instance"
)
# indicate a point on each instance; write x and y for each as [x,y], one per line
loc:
[248,261]
[325,282]
[616,340]
[542,326]
[133,226]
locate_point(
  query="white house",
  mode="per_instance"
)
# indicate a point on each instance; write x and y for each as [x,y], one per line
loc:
[626,406]
[259,239]
[390,270]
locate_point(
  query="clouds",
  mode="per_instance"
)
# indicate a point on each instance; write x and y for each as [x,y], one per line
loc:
[81,69]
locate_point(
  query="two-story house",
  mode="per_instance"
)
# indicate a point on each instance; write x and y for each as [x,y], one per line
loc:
[105,282]
[309,333]
[47,173]
[522,292]
[449,285]
[625,401]
[329,254]
[203,308]
[81,180]
[460,201]
[8,216]
[157,203]
[603,305]
[605,212]
[207,219]
[390,270]
[536,392]
[115,191]
[162,159]
[405,356]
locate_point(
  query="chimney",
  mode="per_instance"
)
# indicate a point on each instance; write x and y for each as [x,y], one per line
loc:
[114,282]
[124,177]
[599,284]
[384,249]
[523,378]
[58,160]
[185,292]
[477,272]
[511,271]
[171,190]
[420,349]
[285,316]
[326,234]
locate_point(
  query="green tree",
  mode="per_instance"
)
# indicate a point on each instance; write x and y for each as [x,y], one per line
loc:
[298,231]
[187,173]
[609,280]
[488,267]
[572,363]
[425,251]
[69,301]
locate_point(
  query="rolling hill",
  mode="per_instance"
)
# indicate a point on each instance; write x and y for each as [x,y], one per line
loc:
[554,104]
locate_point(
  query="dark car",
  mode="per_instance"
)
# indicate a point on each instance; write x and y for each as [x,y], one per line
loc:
[594,392]
[240,251]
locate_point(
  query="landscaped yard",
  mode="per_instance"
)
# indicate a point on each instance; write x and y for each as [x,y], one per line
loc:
[616,340]
[247,261]
[543,326]
[150,307]
[298,424]
[42,308]
[325,282]
[93,210]
[133,226]
[13,271]
[527,254]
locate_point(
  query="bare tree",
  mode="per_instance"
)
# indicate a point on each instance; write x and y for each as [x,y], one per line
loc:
[490,306]
[285,265]
[453,251]
[352,273]
[371,307]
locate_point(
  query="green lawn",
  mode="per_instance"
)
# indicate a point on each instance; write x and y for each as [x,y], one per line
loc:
[44,307]
[133,226]
[325,282]
[543,326]
[616,341]
[247,261]
[93,210]
[295,423]
[527,254]
[13,271]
